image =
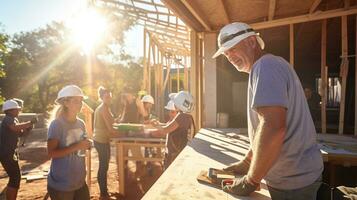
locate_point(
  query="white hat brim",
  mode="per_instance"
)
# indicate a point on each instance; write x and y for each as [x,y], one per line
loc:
[226,46]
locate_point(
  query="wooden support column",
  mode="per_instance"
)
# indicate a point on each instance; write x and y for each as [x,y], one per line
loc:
[185,81]
[324,73]
[145,73]
[149,67]
[343,72]
[178,75]
[356,79]
[194,78]
[210,81]
[291,38]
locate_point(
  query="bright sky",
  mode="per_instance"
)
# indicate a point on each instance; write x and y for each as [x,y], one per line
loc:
[26,15]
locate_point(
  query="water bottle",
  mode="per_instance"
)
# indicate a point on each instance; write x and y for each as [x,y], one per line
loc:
[82,152]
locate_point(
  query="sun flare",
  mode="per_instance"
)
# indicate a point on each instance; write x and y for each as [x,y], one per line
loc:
[87,29]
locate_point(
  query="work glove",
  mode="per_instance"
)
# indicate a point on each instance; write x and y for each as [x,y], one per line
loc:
[240,167]
[239,186]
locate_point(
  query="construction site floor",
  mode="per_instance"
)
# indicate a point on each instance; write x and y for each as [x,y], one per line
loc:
[34,164]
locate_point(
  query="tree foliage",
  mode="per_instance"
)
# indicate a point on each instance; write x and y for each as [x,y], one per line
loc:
[39,63]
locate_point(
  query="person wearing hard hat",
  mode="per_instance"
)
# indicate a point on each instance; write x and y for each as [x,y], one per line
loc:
[147,104]
[176,131]
[282,135]
[171,110]
[11,130]
[67,139]
[103,131]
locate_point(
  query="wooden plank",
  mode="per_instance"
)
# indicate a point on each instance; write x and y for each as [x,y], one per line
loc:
[195,10]
[324,75]
[344,72]
[271,13]
[204,155]
[356,78]
[305,18]
[314,5]
[291,46]
[224,11]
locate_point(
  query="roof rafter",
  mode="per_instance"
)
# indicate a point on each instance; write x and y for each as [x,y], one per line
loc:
[314,5]
[196,12]
[225,13]
[272,5]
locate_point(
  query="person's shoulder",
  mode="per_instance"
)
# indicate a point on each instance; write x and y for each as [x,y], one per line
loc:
[8,118]
[272,60]
[56,123]
[270,63]
[80,121]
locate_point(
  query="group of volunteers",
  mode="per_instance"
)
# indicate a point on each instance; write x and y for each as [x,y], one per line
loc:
[283,148]
[68,140]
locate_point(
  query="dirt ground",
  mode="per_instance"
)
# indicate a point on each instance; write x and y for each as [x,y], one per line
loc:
[34,161]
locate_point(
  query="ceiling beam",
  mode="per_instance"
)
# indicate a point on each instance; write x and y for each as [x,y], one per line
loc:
[197,13]
[272,5]
[179,9]
[314,6]
[305,18]
[225,13]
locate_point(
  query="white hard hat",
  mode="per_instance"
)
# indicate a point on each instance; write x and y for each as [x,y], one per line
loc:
[170,106]
[10,104]
[70,91]
[234,33]
[172,95]
[148,99]
[184,101]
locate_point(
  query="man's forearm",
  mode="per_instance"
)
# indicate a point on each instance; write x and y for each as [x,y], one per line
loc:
[266,149]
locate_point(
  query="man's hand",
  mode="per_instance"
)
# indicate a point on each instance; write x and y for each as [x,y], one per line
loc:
[239,186]
[240,167]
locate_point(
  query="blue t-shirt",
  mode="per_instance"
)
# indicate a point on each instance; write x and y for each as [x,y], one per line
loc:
[67,173]
[273,82]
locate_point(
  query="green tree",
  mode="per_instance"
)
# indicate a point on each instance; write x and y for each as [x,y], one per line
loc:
[40,62]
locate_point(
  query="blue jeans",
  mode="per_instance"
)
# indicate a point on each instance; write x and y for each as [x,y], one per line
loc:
[103,150]
[306,193]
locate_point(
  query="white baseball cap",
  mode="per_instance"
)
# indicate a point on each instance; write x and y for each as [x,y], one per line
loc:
[170,106]
[234,33]
[148,99]
[69,91]
[10,104]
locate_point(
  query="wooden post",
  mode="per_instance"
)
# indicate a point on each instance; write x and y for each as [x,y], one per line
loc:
[356,79]
[194,81]
[344,71]
[185,73]
[178,75]
[145,78]
[291,33]
[324,72]
[149,67]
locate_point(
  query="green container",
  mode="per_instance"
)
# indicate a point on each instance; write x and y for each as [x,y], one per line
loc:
[128,127]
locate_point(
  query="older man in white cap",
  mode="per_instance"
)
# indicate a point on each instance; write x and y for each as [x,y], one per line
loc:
[283,148]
